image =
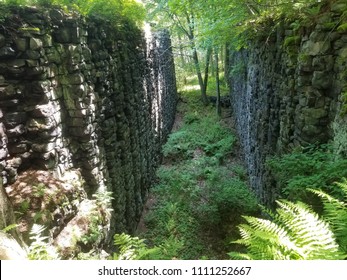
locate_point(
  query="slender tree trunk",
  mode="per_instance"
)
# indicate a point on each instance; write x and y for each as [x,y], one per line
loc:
[200,79]
[218,105]
[226,63]
[222,58]
[183,61]
[207,65]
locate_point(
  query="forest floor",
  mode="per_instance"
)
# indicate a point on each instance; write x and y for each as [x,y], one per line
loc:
[195,207]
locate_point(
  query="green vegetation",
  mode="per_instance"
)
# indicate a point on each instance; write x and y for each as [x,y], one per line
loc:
[293,233]
[201,191]
[134,248]
[40,249]
[311,167]
[111,10]
[296,232]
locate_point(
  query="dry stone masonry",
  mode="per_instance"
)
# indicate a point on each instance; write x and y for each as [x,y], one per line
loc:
[290,91]
[78,94]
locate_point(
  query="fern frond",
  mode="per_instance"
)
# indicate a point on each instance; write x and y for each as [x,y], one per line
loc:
[239,256]
[335,213]
[310,233]
[295,233]
[9,227]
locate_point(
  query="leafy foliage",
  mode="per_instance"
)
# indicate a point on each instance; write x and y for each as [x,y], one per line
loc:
[228,21]
[40,249]
[200,194]
[112,10]
[9,228]
[295,232]
[203,133]
[313,167]
[134,248]
[335,213]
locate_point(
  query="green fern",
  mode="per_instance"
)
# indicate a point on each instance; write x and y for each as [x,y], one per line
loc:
[40,249]
[295,232]
[132,248]
[335,213]
[9,227]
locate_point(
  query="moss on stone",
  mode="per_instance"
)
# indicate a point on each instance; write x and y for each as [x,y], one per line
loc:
[343,111]
[292,40]
[342,27]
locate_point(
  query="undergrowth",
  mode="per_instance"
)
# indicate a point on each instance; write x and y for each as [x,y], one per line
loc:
[201,191]
[311,167]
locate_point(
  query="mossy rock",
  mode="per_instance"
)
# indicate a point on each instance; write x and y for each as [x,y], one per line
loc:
[292,40]
[342,27]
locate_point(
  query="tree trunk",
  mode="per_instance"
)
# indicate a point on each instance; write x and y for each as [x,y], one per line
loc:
[207,65]
[226,63]
[200,79]
[218,105]
[183,61]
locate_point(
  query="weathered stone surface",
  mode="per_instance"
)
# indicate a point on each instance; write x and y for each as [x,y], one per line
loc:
[15,118]
[316,48]
[323,63]
[16,131]
[7,52]
[10,248]
[72,96]
[321,79]
[2,40]
[35,44]
[79,226]
[288,97]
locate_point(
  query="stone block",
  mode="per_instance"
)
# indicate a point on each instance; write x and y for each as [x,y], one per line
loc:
[3,153]
[43,148]
[47,41]
[74,79]
[15,118]
[311,130]
[35,44]
[40,124]
[62,35]
[53,56]
[323,63]
[343,53]
[2,40]
[21,44]
[9,103]
[16,131]
[15,148]
[316,48]
[7,52]
[33,54]
[322,79]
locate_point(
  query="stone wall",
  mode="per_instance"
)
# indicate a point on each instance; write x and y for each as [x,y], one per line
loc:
[287,91]
[77,94]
